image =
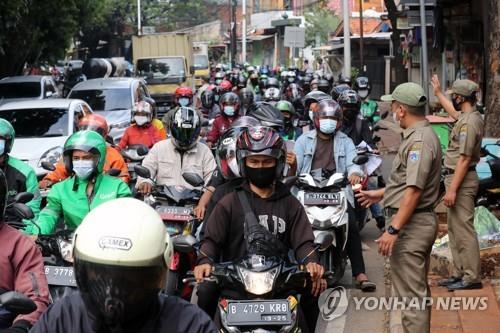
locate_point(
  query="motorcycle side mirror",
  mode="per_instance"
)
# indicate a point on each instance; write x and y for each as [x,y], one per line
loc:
[483,152]
[360,160]
[184,244]
[114,172]
[22,211]
[289,181]
[142,150]
[193,179]
[17,303]
[142,171]
[23,197]
[376,139]
[48,166]
[384,114]
[323,240]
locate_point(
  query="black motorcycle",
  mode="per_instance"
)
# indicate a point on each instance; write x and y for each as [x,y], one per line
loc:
[489,188]
[175,205]
[12,304]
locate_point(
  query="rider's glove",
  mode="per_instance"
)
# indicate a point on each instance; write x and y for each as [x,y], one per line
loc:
[20,326]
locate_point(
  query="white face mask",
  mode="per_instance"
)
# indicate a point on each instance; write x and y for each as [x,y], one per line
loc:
[311,115]
[327,126]
[395,118]
[2,147]
[183,101]
[233,165]
[363,93]
[83,168]
[141,120]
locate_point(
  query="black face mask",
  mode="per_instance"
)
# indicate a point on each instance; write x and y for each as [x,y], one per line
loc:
[350,114]
[261,177]
[456,105]
[288,122]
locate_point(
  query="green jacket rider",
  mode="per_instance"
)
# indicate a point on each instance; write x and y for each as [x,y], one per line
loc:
[84,155]
[20,176]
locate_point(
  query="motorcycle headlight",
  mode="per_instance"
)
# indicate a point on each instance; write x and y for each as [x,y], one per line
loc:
[66,250]
[258,283]
[51,156]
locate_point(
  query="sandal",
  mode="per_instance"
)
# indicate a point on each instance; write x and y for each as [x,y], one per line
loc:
[366,286]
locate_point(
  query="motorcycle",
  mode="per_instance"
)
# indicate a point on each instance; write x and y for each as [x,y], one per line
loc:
[12,304]
[488,193]
[175,205]
[324,198]
[133,155]
[261,294]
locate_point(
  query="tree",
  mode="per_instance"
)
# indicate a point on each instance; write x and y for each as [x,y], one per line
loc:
[400,71]
[320,21]
[33,31]
[493,66]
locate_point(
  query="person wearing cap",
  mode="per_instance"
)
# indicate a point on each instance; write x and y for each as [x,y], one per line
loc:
[462,182]
[409,199]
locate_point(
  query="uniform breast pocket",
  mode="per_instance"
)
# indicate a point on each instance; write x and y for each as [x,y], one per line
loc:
[165,169]
[398,172]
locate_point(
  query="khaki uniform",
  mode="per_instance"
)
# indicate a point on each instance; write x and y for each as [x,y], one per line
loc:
[465,139]
[417,163]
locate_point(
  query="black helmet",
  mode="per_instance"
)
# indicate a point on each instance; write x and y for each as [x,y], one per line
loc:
[337,90]
[314,97]
[207,98]
[185,128]
[349,99]
[242,82]
[261,140]
[227,100]
[362,86]
[246,97]
[345,80]
[245,121]
[273,82]
[3,195]
[225,155]
[267,114]
[324,86]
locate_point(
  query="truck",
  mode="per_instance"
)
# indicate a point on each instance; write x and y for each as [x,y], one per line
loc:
[165,62]
[201,63]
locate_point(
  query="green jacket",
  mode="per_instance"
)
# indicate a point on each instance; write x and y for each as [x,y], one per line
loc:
[68,199]
[22,178]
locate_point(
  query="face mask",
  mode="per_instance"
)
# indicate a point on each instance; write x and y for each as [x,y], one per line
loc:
[311,115]
[327,126]
[291,79]
[363,93]
[395,118]
[456,105]
[350,114]
[2,147]
[288,122]
[261,177]
[140,120]
[183,101]
[233,166]
[229,110]
[83,168]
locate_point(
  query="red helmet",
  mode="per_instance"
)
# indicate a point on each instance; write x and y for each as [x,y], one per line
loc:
[226,86]
[94,122]
[184,92]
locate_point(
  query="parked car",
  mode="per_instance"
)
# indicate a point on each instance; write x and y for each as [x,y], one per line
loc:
[19,88]
[113,98]
[42,127]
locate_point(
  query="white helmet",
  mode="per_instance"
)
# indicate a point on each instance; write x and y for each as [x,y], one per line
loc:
[121,250]
[123,232]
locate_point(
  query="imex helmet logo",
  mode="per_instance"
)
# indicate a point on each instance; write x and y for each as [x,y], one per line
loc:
[117,243]
[333,303]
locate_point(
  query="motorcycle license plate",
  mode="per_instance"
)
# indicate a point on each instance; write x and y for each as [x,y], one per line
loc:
[60,276]
[173,213]
[314,198]
[261,312]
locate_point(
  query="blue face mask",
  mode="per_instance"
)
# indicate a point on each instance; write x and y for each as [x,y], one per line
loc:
[183,101]
[327,126]
[83,168]
[229,110]
[2,147]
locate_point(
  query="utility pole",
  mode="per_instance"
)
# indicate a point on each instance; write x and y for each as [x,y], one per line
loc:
[425,75]
[139,17]
[361,56]
[347,39]
[232,7]
[244,32]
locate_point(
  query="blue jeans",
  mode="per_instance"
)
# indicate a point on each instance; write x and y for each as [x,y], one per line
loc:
[375,209]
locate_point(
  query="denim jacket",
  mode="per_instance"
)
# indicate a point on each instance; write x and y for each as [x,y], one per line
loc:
[344,152]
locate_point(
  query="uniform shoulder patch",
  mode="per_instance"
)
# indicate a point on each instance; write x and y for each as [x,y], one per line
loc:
[463,132]
[414,153]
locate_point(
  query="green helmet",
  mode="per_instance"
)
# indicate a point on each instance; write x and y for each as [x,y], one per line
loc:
[285,106]
[8,133]
[88,141]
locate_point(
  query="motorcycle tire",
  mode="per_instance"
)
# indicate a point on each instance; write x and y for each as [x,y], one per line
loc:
[334,261]
[171,286]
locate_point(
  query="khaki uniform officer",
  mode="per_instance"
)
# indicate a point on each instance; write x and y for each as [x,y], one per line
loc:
[409,199]
[462,182]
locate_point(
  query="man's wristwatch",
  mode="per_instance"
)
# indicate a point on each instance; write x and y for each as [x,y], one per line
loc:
[392,231]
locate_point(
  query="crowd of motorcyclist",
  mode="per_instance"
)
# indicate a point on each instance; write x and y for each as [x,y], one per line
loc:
[243,131]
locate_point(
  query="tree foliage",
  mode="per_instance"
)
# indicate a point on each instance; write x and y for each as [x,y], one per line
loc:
[320,21]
